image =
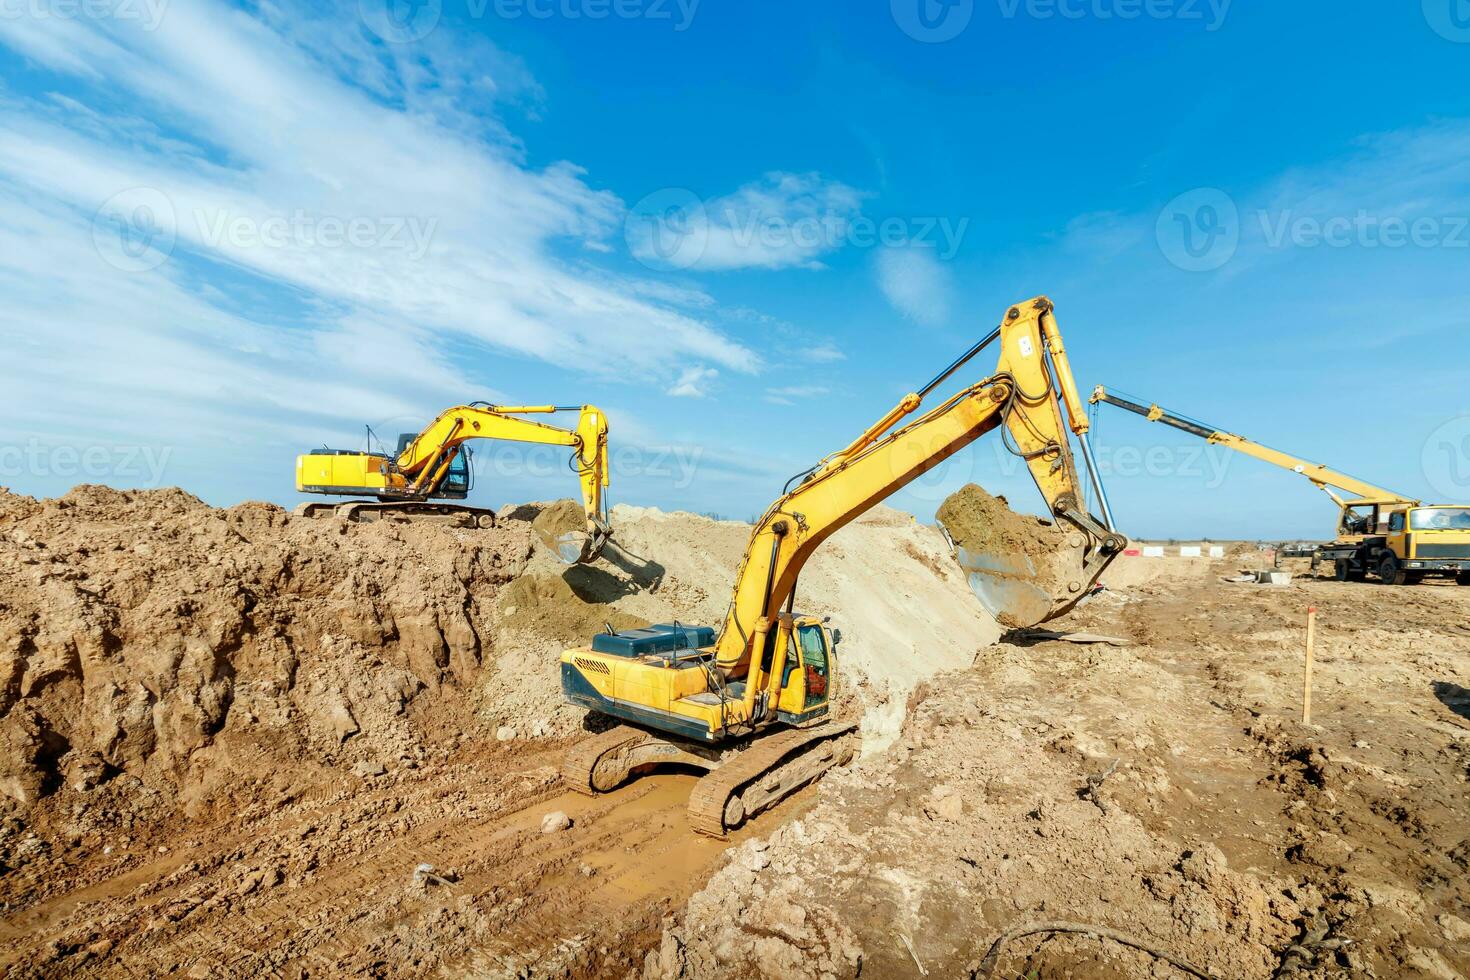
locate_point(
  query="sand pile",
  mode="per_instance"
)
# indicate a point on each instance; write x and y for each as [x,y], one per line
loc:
[147,633]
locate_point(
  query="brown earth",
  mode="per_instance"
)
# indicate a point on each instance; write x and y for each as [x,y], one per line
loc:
[241,744]
[1167,790]
[230,737]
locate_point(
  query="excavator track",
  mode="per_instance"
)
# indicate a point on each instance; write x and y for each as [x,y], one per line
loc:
[786,756]
[361,511]
[581,760]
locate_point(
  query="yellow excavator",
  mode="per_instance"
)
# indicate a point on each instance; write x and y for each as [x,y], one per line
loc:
[433,466]
[1388,534]
[752,705]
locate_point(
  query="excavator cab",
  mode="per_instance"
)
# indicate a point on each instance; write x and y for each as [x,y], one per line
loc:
[459,478]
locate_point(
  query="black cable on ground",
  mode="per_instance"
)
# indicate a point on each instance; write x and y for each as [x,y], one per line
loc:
[987,965]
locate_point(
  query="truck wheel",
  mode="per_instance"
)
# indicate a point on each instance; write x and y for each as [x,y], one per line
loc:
[1463,578]
[1391,573]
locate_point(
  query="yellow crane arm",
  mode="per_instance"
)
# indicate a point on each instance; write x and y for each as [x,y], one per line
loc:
[1027,393]
[1320,476]
[425,461]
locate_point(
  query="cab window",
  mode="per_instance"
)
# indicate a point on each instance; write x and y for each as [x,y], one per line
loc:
[813,663]
[1396,523]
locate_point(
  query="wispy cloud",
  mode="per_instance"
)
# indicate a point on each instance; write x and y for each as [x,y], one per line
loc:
[382,220]
[694,382]
[781,221]
[915,283]
[790,394]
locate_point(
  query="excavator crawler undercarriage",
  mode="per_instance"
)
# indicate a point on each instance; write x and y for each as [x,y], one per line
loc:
[741,781]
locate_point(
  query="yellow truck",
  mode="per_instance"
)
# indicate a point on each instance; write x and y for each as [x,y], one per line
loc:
[1379,532]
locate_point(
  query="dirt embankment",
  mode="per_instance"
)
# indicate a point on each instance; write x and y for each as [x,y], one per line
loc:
[232,737]
[1164,790]
[195,649]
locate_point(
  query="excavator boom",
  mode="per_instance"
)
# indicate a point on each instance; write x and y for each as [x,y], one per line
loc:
[770,673]
[1031,389]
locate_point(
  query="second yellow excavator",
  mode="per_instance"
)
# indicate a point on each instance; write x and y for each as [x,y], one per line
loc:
[751,705]
[433,466]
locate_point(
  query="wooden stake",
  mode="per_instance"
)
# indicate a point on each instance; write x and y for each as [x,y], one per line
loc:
[1307,674]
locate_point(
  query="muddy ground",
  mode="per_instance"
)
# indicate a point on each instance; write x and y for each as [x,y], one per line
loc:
[232,741]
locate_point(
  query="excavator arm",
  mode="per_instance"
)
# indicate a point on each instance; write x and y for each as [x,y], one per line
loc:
[1327,480]
[426,460]
[1026,397]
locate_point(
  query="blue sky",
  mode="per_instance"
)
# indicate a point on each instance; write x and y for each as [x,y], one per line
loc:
[231,233]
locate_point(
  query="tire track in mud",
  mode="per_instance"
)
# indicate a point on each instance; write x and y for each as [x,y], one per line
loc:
[325,885]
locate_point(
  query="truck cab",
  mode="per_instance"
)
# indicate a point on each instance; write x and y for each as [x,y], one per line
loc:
[1401,543]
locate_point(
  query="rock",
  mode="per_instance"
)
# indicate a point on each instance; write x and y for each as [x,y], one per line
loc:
[505,734]
[1455,929]
[555,822]
[755,859]
[368,768]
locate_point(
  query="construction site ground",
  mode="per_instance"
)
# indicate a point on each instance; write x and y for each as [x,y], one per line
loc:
[234,744]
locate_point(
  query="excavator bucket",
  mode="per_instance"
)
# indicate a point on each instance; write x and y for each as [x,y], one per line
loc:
[1023,569]
[1018,589]
[566,531]
[576,547]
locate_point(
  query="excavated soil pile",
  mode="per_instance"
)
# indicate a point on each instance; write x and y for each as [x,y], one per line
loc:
[201,651]
[1016,548]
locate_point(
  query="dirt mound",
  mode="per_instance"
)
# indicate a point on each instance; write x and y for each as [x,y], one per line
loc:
[1018,565]
[991,813]
[147,633]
